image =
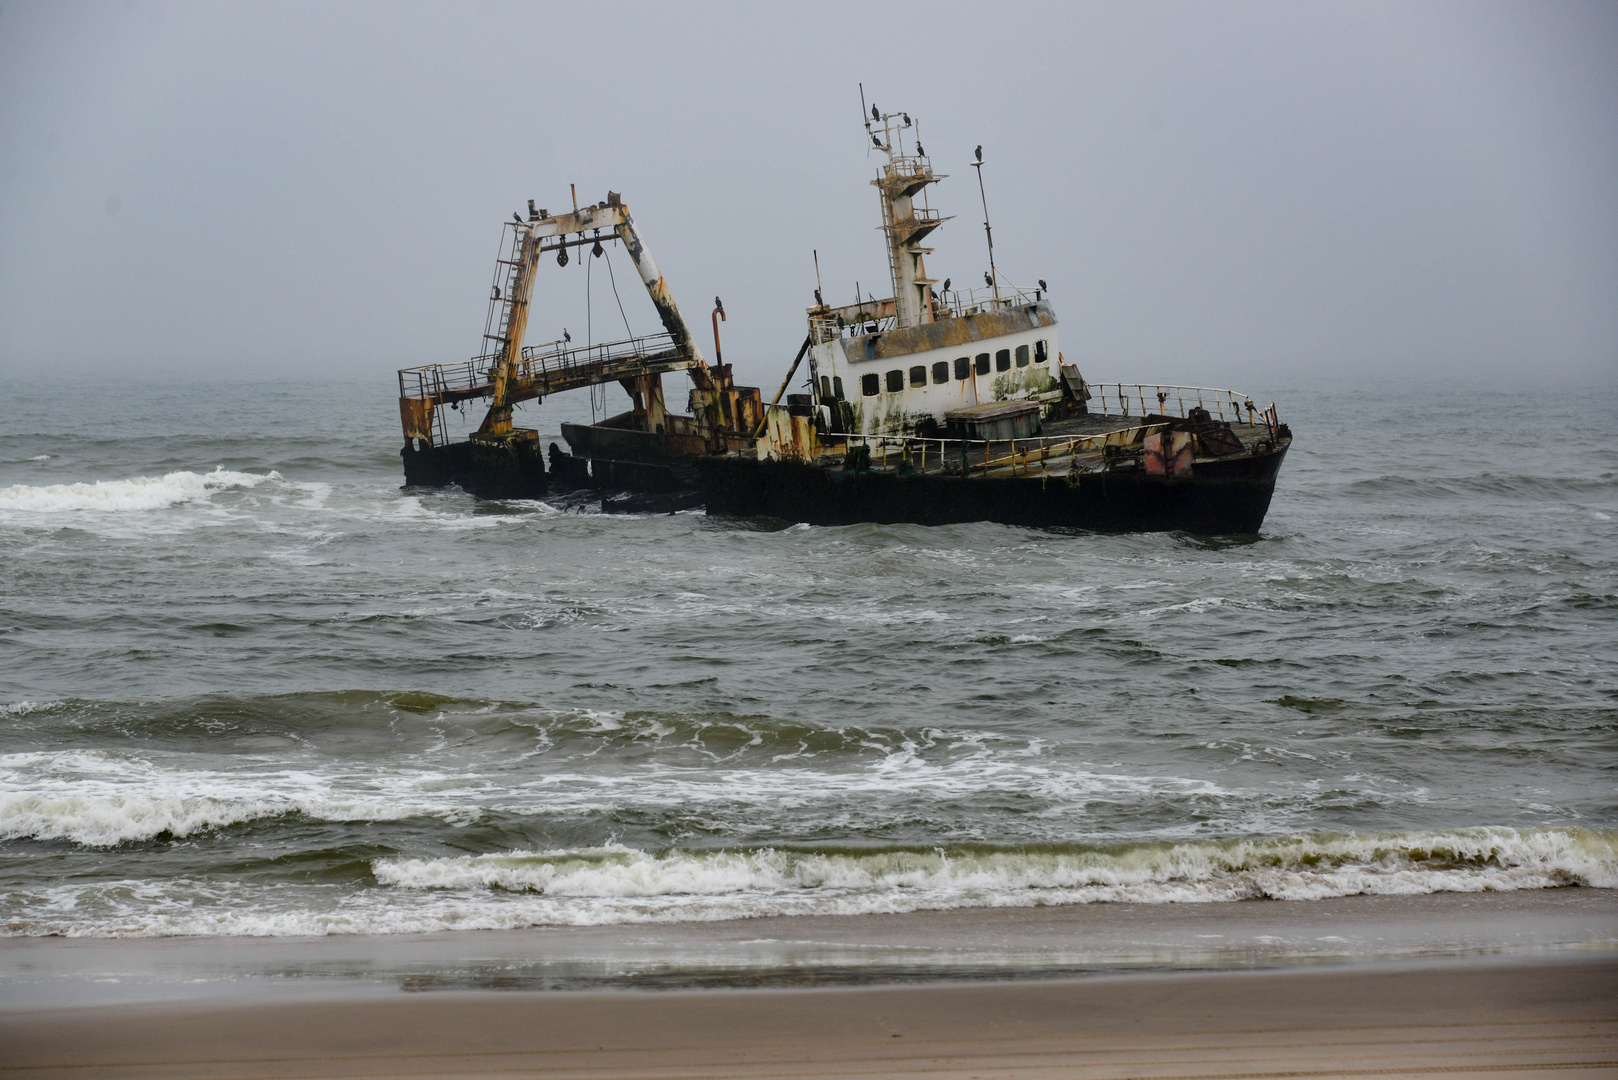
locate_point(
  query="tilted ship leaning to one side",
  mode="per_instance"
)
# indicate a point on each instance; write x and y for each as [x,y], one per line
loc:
[935,405]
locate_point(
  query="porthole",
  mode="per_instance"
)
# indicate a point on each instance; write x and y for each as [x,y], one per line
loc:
[963,367]
[941,371]
[896,381]
[981,363]
[918,375]
[1022,356]
[1002,360]
[871,385]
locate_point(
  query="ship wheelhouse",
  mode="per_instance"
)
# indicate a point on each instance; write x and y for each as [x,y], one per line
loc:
[898,366]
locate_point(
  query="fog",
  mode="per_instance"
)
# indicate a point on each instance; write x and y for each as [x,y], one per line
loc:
[1216,193]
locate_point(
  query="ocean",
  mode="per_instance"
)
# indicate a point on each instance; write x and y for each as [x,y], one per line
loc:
[250,687]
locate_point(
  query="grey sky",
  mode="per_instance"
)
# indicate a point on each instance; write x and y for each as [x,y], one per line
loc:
[1216,192]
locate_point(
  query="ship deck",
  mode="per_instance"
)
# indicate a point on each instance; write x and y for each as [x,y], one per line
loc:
[1077,444]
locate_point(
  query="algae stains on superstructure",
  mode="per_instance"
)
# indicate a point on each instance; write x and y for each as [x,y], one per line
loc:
[952,333]
[1027,383]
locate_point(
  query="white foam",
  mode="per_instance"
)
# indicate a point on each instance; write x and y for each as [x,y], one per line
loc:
[1289,868]
[620,885]
[100,799]
[136,494]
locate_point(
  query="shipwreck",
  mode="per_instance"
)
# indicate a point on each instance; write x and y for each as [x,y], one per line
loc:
[934,405]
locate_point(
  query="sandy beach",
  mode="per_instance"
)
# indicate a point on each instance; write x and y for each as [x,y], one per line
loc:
[1501,1019]
[1497,983]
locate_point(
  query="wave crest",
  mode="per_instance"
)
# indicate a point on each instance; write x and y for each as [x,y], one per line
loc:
[135,494]
[1286,868]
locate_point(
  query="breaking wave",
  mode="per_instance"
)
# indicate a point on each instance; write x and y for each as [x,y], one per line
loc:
[135,494]
[100,800]
[1305,867]
[621,885]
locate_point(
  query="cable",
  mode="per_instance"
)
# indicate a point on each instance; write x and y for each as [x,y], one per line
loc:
[615,296]
[588,340]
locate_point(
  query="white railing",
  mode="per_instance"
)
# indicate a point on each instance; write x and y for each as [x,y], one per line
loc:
[963,302]
[1143,399]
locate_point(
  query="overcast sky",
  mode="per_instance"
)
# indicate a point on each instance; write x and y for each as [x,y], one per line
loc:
[1216,192]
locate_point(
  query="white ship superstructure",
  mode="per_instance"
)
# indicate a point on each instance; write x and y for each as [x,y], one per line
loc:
[899,365]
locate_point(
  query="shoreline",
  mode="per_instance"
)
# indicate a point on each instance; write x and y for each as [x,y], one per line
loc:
[1520,1018]
[966,945]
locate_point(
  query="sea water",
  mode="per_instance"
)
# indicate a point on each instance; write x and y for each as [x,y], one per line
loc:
[249,686]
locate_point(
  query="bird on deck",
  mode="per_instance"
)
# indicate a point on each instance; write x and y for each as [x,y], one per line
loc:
[907,118]
[875,115]
[1043,287]
[979,151]
[818,301]
[946,285]
[517,218]
[987,280]
[919,151]
[876,142]
[567,337]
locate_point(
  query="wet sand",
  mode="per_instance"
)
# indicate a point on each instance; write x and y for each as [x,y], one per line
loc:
[1511,984]
[1502,1019]
[964,944]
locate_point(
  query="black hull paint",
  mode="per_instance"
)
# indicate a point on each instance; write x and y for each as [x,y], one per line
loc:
[512,470]
[1229,496]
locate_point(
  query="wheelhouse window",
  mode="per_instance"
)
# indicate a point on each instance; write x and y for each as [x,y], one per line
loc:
[918,375]
[825,388]
[982,363]
[1040,355]
[1022,356]
[837,387]
[896,381]
[871,385]
[963,367]
[941,371]
[1002,360]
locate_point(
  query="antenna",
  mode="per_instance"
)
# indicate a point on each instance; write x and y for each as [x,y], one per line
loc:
[865,117]
[994,276]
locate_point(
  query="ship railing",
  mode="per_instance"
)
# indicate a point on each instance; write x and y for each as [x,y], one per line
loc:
[1034,452]
[1030,455]
[1143,399]
[963,302]
[547,364]
[560,361]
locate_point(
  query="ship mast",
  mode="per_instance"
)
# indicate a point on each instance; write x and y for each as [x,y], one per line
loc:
[907,171]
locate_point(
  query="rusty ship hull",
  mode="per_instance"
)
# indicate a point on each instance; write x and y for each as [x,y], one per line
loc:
[1216,496]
